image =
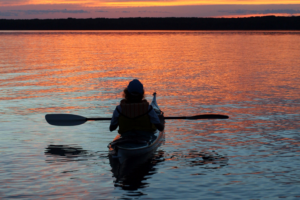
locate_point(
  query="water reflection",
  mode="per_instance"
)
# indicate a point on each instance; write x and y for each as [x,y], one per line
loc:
[202,158]
[206,159]
[71,66]
[251,76]
[132,173]
[65,153]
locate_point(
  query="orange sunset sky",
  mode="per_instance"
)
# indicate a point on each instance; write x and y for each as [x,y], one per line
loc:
[29,9]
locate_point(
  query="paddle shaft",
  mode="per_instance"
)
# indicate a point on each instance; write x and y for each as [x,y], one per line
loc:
[204,116]
[98,118]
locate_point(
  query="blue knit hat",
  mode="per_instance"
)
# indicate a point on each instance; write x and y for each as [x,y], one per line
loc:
[135,86]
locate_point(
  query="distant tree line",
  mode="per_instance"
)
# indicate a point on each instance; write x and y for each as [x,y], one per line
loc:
[171,23]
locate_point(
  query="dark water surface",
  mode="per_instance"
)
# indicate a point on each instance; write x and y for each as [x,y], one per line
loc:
[251,76]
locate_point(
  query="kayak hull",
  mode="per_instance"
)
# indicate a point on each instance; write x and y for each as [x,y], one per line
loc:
[139,150]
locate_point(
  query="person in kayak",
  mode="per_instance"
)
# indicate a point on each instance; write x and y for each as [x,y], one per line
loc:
[134,116]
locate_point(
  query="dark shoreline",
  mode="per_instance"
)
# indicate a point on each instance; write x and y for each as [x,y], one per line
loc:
[250,23]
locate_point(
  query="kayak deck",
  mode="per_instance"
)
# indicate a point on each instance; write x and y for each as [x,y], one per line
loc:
[137,145]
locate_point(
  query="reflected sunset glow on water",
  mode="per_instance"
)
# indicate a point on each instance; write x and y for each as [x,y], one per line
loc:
[251,76]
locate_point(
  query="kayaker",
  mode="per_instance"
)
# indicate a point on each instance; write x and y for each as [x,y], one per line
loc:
[134,116]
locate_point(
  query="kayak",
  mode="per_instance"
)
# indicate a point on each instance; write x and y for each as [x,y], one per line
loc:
[126,148]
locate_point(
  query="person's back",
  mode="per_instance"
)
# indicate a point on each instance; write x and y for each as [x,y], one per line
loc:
[134,116]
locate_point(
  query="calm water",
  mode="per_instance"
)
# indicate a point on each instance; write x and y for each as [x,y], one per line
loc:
[251,76]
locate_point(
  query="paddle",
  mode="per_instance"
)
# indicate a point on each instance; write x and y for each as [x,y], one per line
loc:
[73,120]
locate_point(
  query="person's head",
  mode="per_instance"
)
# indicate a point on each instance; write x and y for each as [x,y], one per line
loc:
[134,91]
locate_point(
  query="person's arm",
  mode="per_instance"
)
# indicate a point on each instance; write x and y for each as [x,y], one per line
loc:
[113,127]
[114,123]
[158,121]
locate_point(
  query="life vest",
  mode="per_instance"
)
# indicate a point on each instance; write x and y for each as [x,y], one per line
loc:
[134,117]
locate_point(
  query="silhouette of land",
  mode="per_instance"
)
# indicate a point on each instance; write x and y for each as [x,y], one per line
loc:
[172,23]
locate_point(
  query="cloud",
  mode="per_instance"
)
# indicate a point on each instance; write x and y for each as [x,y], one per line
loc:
[267,11]
[13,1]
[39,12]
[89,3]
[76,11]
[153,11]
[141,1]
[102,11]
[8,14]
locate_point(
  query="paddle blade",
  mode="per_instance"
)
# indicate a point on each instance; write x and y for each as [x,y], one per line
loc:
[65,119]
